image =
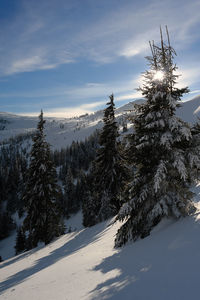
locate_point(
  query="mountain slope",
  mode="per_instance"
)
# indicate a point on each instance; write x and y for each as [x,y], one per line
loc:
[61,132]
[84,265]
[190,110]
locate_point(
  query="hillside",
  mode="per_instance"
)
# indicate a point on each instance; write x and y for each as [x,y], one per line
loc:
[84,265]
[190,110]
[61,132]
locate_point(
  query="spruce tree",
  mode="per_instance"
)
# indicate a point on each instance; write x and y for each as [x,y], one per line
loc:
[69,193]
[158,148]
[108,172]
[43,217]
[89,206]
[20,241]
[80,188]
[6,224]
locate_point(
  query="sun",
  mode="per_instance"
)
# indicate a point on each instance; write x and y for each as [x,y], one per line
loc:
[159,75]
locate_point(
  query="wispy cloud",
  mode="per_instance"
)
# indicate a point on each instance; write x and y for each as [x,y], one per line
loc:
[34,39]
[90,90]
[66,112]
[86,98]
[46,34]
[195,92]
[127,30]
[188,76]
[90,96]
[33,63]
[62,112]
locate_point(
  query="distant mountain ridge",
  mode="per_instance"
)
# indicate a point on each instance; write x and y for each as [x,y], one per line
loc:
[61,132]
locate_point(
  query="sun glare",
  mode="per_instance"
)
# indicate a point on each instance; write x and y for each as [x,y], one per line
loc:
[159,75]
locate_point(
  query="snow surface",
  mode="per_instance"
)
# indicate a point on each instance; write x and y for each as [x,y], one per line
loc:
[62,132]
[190,110]
[7,249]
[84,265]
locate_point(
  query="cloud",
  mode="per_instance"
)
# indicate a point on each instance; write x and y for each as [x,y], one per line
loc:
[34,39]
[88,91]
[188,76]
[44,35]
[27,64]
[65,112]
[31,64]
[85,98]
[126,31]
[130,96]
[195,92]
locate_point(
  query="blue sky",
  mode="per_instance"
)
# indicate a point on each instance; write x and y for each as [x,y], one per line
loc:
[68,56]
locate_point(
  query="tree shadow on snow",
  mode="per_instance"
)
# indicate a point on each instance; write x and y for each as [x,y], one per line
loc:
[77,241]
[164,265]
[18,257]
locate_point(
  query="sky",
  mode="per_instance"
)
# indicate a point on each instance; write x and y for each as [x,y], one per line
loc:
[67,56]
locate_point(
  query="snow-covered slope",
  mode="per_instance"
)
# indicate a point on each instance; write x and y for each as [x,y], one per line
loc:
[84,265]
[61,132]
[190,110]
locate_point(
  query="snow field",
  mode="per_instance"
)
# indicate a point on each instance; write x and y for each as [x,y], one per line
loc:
[84,265]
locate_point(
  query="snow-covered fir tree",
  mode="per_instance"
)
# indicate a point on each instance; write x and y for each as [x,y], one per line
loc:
[161,184]
[89,206]
[6,223]
[20,245]
[69,193]
[43,221]
[80,189]
[108,172]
